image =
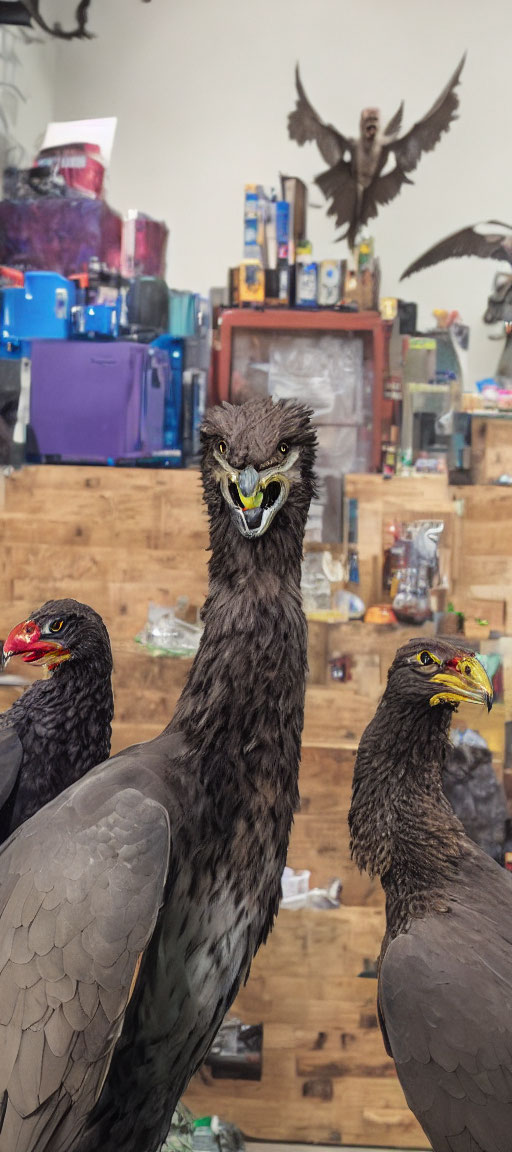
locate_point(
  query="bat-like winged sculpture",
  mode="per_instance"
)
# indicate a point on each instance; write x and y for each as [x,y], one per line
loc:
[356,182]
[491,245]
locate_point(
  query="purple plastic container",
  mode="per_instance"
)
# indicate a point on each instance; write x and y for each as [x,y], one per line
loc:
[59,235]
[97,402]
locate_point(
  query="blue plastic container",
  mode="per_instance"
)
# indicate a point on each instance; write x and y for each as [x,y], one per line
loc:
[40,310]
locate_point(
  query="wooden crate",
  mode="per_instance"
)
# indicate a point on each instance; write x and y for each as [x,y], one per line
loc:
[491,448]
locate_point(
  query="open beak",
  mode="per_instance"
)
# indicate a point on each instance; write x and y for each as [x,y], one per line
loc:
[254,497]
[463,678]
[25,640]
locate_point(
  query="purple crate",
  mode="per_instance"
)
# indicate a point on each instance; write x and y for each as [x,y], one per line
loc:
[59,235]
[97,401]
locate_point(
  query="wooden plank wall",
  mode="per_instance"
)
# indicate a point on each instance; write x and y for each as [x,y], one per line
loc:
[119,538]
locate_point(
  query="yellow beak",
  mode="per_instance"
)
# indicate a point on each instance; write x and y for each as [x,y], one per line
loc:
[252,501]
[465,679]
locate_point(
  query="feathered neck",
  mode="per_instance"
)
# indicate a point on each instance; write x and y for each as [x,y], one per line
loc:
[65,725]
[402,827]
[72,692]
[241,711]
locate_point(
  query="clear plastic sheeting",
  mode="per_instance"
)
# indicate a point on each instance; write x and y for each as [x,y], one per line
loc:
[341,449]
[330,374]
[164,634]
[324,371]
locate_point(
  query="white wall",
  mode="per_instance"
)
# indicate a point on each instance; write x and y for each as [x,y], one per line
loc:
[202,89]
[27,75]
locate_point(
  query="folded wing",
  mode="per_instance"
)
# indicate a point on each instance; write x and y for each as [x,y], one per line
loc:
[11,756]
[446,1000]
[81,885]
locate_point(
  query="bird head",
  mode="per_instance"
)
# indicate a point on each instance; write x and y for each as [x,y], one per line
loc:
[61,630]
[258,459]
[369,123]
[438,671]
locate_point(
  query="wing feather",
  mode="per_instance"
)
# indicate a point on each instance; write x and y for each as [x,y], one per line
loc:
[304,125]
[81,885]
[11,756]
[427,132]
[338,186]
[395,123]
[466,242]
[445,994]
[382,190]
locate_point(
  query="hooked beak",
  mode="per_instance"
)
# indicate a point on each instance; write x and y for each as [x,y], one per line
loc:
[254,497]
[25,640]
[464,678]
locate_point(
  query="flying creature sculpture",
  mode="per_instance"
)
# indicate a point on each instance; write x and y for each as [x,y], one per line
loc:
[356,182]
[482,239]
[27,12]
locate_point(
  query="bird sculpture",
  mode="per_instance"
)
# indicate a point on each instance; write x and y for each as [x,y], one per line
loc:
[475,793]
[488,245]
[356,181]
[445,972]
[131,906]
[27,12]
[59,728]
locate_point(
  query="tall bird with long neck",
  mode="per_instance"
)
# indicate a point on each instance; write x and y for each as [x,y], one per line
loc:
[61,727]
[445,979]
[132,906]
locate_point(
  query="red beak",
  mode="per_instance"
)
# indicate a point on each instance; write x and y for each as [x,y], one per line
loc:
[25,640]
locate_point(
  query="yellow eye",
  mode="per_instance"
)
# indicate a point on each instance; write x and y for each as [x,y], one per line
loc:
[283,447]
[426,658]
[56,625]
[222,446]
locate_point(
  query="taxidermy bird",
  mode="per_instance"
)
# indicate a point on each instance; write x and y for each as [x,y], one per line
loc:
[445,978]
[131,906]
[475,793]
[356,182]
[489,245]
[60,728]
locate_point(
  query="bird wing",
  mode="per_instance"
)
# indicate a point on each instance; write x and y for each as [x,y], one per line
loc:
[395,123]
[445,995]
[81,885]
[382,190]
[427,132]
[466,242]
[304,124]
[11,756]
[338,186]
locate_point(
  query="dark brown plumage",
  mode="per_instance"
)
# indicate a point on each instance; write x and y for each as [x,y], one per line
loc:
[60,728]
[476,795]
[124,943]
[445,980]
[491,245]
[355,182]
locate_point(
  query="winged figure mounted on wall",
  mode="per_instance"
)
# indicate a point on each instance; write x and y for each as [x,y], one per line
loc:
[485,240]
[490,240]
[356,181]
[26,13]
